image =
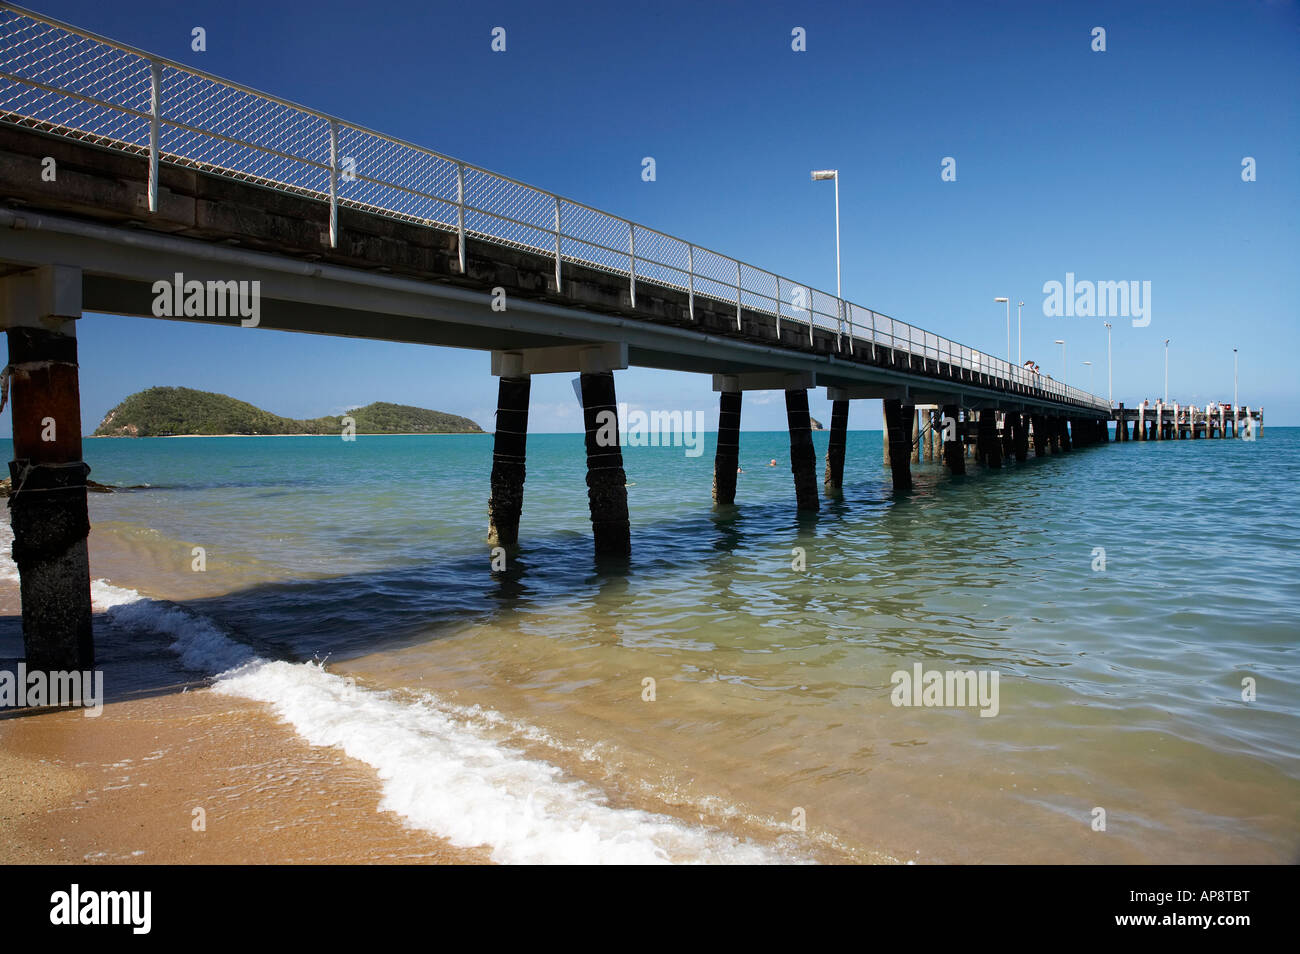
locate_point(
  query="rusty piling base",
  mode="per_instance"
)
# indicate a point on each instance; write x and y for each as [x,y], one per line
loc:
[727,459]
[803,458]
[834,477]
[954,451]
[509,448]
[48,503]
[898,441]
[606,479]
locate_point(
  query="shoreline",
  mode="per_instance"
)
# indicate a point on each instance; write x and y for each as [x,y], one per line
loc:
[125,787]
[123,437]
[193,777]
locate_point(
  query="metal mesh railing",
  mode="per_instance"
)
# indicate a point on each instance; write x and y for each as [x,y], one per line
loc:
[59,78]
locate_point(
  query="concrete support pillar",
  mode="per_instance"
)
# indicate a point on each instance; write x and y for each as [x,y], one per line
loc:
[915,437]
[953,449]
[1020,446]
[1008,434]
[1040,438]
[48,504]
[803,458]
[884,417]
[898,417]
[508,460]
[606,479]
[990,449]
[726,460]
[936,435]
[834,477]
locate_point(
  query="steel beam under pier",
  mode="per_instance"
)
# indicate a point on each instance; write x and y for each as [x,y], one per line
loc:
[47,507]
[727,459]
[606,479]
[834,478]
[509,449]
[803,458]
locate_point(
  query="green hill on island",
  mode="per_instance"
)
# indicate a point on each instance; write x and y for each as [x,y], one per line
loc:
[171,412]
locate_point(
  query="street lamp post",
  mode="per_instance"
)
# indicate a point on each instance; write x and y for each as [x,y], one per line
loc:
[1008,304]
[1089,364]
[1235,412]
[1063,367]
[1166,370]
[1110,380]
[1020,356]
[818,175]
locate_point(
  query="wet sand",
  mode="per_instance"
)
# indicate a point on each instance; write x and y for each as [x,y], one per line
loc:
[125,787]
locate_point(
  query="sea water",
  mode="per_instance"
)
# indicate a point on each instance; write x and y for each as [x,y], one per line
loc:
[731,692]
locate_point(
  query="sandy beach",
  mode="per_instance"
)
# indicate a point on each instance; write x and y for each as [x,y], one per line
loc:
[124,788]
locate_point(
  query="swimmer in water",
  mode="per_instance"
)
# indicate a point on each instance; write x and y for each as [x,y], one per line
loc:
[772,462]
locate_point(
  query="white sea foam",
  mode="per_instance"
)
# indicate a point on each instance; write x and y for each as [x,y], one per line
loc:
[450,778]
[8,568]
[438,765]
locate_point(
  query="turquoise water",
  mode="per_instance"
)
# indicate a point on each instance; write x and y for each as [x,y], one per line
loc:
[1120,688]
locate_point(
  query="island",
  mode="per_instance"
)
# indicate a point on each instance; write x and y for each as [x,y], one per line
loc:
[185,412]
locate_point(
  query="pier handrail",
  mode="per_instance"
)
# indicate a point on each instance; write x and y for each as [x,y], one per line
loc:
[82,85]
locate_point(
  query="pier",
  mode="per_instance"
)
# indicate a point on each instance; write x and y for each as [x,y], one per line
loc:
[1165,422]
[172,182]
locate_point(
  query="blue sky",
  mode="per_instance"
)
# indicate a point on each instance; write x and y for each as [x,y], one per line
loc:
[1118,165]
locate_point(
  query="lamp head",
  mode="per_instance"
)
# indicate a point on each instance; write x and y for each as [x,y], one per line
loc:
[824,174]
